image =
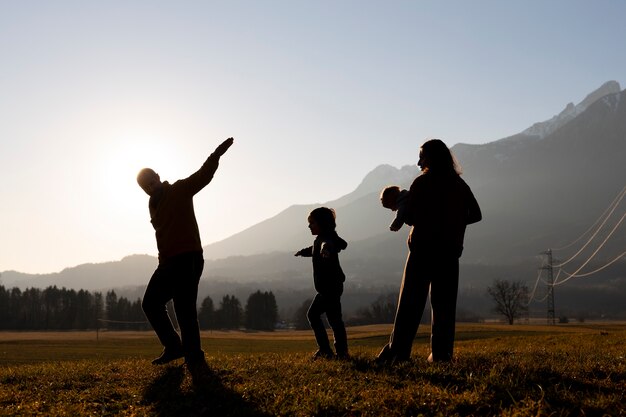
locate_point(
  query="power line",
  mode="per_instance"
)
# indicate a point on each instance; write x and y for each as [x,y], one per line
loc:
[595,234]
[545,297]
[593,254]
[597,270]
[615,202]
[552,281]
[532,294]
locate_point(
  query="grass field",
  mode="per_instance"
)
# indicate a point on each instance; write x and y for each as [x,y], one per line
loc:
[564,370]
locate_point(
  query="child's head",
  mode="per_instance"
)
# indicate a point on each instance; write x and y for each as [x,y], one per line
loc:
[389,197]
[322,219]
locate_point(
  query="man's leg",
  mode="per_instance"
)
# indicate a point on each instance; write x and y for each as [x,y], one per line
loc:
[157,294]
[189,269]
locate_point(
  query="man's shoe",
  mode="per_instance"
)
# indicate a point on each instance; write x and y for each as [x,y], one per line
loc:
[168,355]
[201,373]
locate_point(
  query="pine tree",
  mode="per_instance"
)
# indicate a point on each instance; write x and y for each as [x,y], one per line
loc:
[261,311]
[230,313]
[206,316]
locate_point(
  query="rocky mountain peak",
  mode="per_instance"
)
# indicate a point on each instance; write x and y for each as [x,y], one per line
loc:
[609,87]
[543,129]
[385,174]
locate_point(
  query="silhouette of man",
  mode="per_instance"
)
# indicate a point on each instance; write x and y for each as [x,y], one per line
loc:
[180,260]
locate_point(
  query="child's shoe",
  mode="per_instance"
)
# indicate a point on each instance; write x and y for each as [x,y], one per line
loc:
[323,354]
[169,355]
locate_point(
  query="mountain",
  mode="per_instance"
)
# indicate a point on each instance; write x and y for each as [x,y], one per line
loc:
[130,271]
[359,213]
[538,189]
[543,129]
[535,191]
[544,193]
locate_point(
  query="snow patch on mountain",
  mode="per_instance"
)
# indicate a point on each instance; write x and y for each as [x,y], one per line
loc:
[612,101]
[545,128]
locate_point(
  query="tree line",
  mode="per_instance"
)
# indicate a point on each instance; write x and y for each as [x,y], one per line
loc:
[66,309]
[49,309]
[56,308]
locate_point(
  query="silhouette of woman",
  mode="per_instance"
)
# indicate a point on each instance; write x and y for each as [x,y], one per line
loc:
[440,207]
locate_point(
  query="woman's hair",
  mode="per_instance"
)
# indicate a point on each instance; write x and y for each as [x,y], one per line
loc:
[440,159]
[325,218]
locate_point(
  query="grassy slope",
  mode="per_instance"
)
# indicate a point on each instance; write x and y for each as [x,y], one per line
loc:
[499,370]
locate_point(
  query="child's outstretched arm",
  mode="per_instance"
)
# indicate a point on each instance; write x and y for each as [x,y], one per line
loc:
[307,252]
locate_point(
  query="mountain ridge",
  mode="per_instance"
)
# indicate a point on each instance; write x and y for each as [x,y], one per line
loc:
[535,193]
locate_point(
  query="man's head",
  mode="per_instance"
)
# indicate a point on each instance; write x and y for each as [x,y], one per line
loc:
[149,181]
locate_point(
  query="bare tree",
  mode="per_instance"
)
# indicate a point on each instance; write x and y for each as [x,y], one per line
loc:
[511,298]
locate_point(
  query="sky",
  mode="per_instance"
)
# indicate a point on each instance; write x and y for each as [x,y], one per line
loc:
[315,93]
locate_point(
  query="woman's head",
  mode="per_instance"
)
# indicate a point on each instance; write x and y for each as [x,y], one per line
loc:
[322,219]
[435,157]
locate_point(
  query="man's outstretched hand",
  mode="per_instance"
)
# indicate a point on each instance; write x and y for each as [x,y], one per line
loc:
[221,150]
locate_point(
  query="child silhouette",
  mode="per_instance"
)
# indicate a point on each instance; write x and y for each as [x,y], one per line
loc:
[328,278]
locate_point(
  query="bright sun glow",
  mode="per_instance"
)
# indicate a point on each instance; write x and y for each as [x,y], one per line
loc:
[122,158]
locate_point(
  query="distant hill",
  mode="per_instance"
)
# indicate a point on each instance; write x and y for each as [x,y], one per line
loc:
[130,271]
[538,189]
[359,213]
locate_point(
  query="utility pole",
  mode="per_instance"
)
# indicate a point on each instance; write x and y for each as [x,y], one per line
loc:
[548,267]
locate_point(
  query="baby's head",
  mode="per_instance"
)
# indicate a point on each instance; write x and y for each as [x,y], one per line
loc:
[389,197]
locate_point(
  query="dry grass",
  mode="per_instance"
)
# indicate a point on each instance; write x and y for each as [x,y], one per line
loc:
[499,370]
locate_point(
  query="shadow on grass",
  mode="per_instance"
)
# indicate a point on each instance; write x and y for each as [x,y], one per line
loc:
[208,396]
[591,393]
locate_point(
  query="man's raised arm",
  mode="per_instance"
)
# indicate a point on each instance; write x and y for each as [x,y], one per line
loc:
[204,175]
[222,148]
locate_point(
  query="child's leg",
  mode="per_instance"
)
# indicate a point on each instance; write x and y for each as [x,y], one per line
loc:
[314,315]
[333,312]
